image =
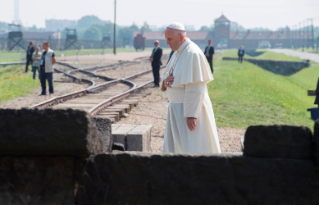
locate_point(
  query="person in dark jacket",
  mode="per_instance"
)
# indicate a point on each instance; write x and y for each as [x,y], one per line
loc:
[30,51]
[156,62]
[241,53]
[209,52]
[170,55]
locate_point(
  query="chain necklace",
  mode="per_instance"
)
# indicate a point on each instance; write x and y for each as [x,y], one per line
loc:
[171,70]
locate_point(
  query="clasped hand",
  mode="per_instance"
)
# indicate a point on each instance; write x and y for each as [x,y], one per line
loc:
[168,81]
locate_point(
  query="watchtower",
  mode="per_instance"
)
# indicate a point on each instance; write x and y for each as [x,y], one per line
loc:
[106,40]
[222,31]
[71,39]
[15,36]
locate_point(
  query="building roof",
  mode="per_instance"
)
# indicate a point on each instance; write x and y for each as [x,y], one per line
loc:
[222,18]
[159,35]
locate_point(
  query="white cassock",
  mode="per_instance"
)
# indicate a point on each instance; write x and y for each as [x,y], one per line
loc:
[188,97]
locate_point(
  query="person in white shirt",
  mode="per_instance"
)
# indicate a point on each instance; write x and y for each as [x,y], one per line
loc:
[190,123]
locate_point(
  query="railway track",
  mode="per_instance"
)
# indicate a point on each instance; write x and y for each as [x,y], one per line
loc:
[109,95]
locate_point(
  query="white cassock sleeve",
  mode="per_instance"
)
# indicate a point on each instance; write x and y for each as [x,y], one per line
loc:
[193,99]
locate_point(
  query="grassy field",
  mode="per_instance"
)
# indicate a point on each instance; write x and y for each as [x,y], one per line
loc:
[245,94]
[14,82]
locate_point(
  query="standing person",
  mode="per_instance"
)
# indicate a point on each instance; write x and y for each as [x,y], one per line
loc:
[46,68]
[241,53]
[156,62]
[209,52]
[170,55]
[36,57]
[190,122]
[30,51]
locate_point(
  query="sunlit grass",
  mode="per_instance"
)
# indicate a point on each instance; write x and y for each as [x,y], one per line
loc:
[245,94]
[14,82]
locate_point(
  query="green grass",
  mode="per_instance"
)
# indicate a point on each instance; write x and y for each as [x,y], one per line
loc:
[245,94]
[14,82]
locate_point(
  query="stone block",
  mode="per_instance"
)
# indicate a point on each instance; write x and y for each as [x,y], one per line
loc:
[279,141]
[197,179]
[48,132]
[139,138]
[104,126]
[133,137]
[36,180]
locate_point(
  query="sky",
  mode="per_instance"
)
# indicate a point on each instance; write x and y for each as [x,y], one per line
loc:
[270,14]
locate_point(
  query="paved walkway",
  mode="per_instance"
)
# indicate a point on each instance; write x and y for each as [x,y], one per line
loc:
[303,55]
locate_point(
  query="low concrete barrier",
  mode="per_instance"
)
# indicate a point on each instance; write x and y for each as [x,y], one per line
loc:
[277,67]
[49,132]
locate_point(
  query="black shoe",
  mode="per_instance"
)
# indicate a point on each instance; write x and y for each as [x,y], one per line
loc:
[155,86]
[42,94]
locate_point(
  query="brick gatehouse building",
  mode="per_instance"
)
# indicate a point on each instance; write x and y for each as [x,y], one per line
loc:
[223,37]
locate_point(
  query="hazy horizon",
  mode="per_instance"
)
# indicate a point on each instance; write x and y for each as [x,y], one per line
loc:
[248,13]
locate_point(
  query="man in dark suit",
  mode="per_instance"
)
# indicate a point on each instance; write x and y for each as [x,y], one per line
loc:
[241,53]
[30,51]
[170,55]
[209,52]
[156,62]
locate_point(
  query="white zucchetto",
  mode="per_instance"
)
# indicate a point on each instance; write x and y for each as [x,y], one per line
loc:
[176,26]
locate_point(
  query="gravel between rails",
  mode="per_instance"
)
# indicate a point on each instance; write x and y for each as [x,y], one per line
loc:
[152,110]
[124,71]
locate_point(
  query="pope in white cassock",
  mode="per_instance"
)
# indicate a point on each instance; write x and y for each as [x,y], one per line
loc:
[190,122]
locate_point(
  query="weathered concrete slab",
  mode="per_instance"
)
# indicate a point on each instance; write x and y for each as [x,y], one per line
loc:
[186,179]
[133,137]
[48,132]
[139,138]
[36,180]
[279,141]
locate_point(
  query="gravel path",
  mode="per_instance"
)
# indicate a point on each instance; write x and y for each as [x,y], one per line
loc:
[303,55]
[153,109]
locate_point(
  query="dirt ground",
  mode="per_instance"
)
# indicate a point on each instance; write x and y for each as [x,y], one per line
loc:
[153,110]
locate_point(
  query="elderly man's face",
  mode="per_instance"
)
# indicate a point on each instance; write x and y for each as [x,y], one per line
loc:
[156,43]
[38,49]
[173,39]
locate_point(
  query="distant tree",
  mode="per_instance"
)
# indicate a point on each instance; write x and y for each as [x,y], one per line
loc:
[145,27]
[260,29]
[236,27]
[204,28]
[134,27]
[88,21]
[3,25]
[92,33]
[286,28]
